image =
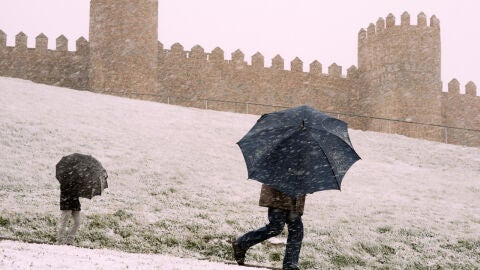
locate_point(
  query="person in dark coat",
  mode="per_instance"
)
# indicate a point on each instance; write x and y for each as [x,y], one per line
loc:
[69,209]
[282,210]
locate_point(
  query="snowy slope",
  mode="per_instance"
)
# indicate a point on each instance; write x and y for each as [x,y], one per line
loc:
[175,173]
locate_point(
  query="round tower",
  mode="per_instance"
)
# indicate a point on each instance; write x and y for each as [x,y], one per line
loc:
[123,46]
[400,67]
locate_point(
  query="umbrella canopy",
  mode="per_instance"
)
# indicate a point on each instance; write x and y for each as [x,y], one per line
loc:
[81,176]
[298,151]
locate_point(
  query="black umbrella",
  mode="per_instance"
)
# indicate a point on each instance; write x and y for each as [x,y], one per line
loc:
[81,176]
[298,151]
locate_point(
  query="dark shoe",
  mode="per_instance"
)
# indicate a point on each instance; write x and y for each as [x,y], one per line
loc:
[238,253]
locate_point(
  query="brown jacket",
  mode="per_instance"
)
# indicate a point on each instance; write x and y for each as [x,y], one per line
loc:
[270,197]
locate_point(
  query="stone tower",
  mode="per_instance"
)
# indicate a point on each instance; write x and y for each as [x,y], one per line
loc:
[400,67]
[123,46]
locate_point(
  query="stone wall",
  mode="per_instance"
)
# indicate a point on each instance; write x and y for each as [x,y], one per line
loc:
[207,80]
[463,111]
[400,66]
[188,78]
[123,45]
[56,67]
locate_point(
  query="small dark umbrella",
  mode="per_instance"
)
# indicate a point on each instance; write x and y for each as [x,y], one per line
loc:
[81,176]
[298,151]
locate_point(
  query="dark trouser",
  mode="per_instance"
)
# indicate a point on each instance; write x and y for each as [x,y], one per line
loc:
[277,219]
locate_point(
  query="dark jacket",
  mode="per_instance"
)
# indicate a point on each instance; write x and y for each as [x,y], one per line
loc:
[69,202]
[270,197]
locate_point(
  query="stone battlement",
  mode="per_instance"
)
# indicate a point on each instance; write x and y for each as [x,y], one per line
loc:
[388,24]
[40,64]
[197,53]
[41,43]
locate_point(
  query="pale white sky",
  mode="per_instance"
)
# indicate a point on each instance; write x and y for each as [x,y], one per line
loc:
[310,29]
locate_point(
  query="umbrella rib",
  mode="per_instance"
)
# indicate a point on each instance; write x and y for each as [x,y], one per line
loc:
[333,171]
[273,148]
[348,143]
[329,161]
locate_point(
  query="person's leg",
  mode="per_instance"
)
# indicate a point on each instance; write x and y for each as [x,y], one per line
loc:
[62,226]
[73,230]
[294,241]
[276,218]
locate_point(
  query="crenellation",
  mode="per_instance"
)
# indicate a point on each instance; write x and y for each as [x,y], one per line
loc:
[82,46]
[41,43]
[238,58]
[42,65]
[296,65]
[258,61]
[454,87]
[422,20]
[316,67]
[362,35]
[21,41]
[217,55]
[62,43]
[371,31]
[380,25]
[352,72]
[177,51]
[471,89]
[434,22]
[390,21]
[405,19]
[335,70]
[3,39]
[197,53]
[278,63]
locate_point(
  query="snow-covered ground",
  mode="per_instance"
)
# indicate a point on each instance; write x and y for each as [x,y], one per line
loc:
[178,188]
[18,255]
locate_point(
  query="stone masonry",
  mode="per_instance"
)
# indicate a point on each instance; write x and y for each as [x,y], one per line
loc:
[123,46]
[396,87]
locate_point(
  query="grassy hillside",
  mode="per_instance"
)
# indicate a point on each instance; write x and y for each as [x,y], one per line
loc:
[177,186]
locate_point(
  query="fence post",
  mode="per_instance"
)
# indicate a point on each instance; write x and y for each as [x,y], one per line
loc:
[446,135]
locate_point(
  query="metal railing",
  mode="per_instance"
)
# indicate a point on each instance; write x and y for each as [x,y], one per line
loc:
[205,101]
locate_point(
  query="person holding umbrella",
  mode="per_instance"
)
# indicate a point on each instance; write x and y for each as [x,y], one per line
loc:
[282,210]
[292,152]
[79,176]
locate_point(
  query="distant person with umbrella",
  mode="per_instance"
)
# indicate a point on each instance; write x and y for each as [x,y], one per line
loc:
[79,176]
[293,152]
